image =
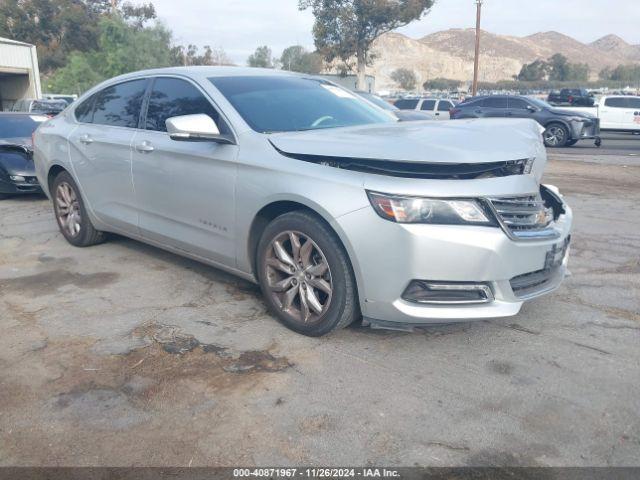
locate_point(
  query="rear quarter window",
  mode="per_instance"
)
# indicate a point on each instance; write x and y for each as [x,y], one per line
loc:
[406,104]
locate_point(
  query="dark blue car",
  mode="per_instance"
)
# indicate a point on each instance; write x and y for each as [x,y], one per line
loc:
[17,171]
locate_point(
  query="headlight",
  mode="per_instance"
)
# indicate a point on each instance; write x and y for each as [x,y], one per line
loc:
[17,178]
[430,210]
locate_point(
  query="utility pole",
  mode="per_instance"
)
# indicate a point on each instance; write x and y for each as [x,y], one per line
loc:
[474,88]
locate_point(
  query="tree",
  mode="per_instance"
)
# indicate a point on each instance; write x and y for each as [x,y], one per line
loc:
[261,58]
[442,84]
[60,27]
[405,78]
[190,56]
[121,48]
[297,59]
[344,29]
[534,72]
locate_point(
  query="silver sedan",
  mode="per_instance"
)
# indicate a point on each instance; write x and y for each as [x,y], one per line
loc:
[337,210]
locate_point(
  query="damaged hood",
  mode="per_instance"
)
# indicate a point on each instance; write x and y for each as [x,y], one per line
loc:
[449,142]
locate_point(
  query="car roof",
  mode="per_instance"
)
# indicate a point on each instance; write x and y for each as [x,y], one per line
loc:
[209,71]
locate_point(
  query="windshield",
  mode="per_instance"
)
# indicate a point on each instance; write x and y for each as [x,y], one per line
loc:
[19,126]
[285,104]
[378,101]
[539,103]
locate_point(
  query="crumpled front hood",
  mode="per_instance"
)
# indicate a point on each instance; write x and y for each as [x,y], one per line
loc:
[455,141]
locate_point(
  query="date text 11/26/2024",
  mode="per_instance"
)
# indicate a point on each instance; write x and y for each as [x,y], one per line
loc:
[316,472]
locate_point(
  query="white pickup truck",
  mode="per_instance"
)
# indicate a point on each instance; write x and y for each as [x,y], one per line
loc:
[616,112]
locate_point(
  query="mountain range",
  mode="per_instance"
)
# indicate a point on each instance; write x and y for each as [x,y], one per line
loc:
[449,54]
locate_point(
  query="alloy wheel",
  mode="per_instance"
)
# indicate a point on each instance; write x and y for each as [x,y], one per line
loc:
[68,209]
[554,136]
[298,277]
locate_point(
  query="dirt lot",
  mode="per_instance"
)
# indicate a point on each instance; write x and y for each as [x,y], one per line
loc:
[122,354]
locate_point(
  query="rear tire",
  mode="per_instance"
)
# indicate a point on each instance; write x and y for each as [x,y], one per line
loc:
[556,135]
[305,275]
[571,143]
[71,213]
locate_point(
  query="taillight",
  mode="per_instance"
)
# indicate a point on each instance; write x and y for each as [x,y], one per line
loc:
[453,111]
[570,98]
[33,138]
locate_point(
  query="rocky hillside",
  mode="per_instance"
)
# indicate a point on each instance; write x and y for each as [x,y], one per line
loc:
[449,54]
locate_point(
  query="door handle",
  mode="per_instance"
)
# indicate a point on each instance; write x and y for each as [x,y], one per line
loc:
[437,113]
[144,147]
[86,139]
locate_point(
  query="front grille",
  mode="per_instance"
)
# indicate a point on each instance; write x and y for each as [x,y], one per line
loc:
[523,215]
[532,283]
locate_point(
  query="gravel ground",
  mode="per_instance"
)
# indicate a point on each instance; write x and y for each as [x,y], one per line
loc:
[123,354]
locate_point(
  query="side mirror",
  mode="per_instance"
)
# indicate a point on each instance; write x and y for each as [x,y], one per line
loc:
[195,128]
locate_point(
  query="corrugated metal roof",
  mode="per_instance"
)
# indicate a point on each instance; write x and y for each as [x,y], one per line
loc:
[14,42]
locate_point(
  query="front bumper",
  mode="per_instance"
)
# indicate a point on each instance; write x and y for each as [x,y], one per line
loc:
[12,187]
[586,130]
[385,263]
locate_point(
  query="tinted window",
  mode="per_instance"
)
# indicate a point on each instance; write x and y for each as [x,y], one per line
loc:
[84,111]
[633,103]
[518,103]
[444,106]
[19,126]
[172,97]
[495,102]
[428,105]
[616,102]
[471,102]
[119,105]
[406,104]
[282,103]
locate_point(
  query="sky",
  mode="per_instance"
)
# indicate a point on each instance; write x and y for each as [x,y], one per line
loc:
[239,26]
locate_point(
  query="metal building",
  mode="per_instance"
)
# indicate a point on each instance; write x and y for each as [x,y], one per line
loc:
[350,81]
[19,73]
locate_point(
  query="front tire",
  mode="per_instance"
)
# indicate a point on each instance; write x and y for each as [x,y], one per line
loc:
[71,213]
[556,135]
[305,275]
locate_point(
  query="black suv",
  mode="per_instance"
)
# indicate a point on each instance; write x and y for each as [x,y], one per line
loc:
[562,128]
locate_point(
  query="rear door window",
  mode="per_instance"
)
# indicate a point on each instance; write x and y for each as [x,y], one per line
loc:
[518,104]
[406,104]
[633,103]
[173,97]
[495,102]
[616,102]
[444,106]
[428,105]
[119,105]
